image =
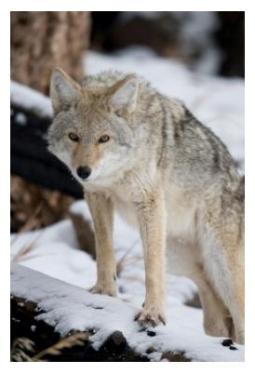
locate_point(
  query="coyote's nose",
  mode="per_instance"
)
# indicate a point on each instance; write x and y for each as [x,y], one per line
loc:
[83,171]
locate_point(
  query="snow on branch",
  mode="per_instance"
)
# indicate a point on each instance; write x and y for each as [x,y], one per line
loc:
[30,99]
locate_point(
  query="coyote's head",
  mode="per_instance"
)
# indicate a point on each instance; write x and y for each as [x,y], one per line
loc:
[92,131]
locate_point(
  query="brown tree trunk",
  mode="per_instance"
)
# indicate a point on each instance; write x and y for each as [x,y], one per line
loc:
[42,40]
[39,42]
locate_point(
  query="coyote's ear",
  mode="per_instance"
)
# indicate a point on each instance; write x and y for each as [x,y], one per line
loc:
[63,90]
[124,94]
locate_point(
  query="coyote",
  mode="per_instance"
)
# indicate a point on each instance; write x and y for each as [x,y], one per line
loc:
[146,155]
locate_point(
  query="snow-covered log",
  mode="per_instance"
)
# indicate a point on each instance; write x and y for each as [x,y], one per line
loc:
[107,325]
[36,340]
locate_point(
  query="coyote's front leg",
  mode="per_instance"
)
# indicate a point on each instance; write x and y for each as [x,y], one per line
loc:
[101,210]
[151,218]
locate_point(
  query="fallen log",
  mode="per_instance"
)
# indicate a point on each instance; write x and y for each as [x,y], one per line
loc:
[56,321]
[46,315]
[33,340]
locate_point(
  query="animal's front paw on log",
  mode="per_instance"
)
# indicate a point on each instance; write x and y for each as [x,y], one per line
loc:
[150,316]
[104,289]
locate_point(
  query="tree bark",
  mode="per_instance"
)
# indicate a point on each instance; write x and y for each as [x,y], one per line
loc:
[42,40]
[39,42]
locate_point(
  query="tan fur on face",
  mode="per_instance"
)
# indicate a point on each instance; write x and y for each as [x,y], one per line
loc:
[89,156]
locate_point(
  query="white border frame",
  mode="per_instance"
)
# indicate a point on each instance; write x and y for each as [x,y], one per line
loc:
[110,5]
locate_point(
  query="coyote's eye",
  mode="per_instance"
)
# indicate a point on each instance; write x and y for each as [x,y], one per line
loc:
[73,137]
[104,139]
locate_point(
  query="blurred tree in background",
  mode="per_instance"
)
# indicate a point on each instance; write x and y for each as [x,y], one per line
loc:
[42,40]
[39,42]
[230,38]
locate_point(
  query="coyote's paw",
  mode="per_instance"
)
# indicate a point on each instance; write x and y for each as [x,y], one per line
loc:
[150,316]
[104,289]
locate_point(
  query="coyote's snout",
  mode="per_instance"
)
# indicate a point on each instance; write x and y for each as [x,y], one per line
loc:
[83,172]
[146,155]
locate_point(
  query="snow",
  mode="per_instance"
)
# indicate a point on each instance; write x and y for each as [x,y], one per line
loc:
[195,32]
[28,98]
[21,119]
[67,307]
[57,244]
[54,251]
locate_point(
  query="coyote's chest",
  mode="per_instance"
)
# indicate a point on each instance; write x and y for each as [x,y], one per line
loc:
[126,210]
[181,213]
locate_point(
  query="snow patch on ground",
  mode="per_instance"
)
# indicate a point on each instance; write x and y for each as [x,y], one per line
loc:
[195,32]
[67,307]
[57,244]
[54,251]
